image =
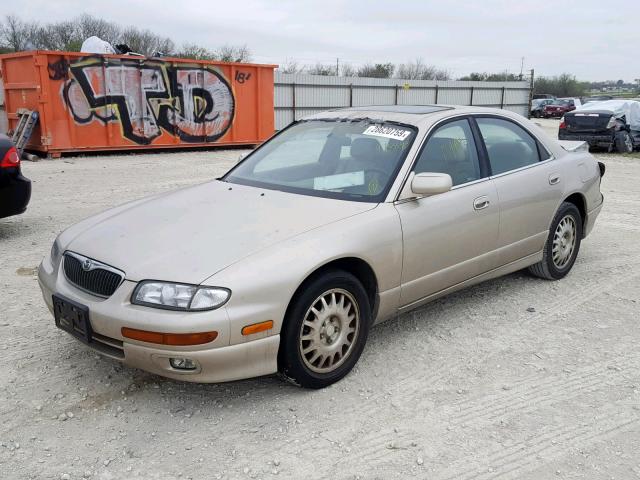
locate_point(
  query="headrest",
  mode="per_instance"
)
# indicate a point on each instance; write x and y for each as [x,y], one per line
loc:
[365,147]
[446,150]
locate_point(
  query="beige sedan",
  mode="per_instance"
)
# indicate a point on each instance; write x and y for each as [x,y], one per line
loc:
[341,221]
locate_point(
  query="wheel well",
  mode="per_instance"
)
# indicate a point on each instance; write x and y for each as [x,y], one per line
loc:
[578,200]
[359,269]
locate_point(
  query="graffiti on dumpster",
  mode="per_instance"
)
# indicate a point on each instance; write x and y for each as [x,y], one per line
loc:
[192,102]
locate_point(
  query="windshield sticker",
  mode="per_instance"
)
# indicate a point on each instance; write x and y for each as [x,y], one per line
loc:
[387,132]
[342,180]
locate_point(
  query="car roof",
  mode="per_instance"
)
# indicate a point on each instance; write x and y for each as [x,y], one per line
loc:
[412,109]
[425,116]
[417,115]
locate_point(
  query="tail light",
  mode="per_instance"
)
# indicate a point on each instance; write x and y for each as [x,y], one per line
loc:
[562,124]
[10,159]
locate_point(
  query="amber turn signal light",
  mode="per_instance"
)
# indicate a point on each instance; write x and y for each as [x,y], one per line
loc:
[176,339]
[257,327]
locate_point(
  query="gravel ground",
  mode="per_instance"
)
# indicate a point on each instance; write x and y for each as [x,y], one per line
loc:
[516,378]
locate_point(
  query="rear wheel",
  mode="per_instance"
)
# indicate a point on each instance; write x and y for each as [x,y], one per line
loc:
[562,245]
[325,330]
[624,143]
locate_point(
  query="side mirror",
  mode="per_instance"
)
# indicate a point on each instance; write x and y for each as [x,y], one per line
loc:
[428,183]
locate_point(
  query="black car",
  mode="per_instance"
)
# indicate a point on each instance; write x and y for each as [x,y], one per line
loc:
[15,189]
[613,124]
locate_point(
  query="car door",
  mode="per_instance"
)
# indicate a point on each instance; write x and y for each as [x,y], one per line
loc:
[448,238]
[528,182]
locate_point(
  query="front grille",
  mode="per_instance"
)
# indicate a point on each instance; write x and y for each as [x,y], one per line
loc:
[99,279]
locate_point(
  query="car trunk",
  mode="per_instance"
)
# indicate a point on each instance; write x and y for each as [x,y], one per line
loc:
[587,122]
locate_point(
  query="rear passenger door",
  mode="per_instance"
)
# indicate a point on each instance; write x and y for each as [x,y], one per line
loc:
[528,183]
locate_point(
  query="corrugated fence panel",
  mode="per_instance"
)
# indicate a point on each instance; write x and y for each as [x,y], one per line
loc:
[487,97]
[416,96]
[363,96]
[327,97]
[298,95]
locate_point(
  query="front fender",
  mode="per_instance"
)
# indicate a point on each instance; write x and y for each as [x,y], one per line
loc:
[263,283]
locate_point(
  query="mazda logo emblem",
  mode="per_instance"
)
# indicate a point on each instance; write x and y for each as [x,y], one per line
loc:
[87,265]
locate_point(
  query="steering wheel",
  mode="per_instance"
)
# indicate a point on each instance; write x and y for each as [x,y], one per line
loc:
[375,179]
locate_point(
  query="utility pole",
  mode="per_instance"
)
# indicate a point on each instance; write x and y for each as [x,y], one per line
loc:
[521,67]
[530,94]
[337,67]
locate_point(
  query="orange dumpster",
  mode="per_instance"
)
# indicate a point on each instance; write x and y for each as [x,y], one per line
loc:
[89,102]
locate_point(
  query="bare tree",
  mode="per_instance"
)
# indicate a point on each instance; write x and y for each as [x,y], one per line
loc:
[418,70]
[347,70]
[290,66]
[88,26]
[491,77]
[195,52]
[58,36]
[320,69]
[231,53]
[16,35]
[146,42]
[379,70]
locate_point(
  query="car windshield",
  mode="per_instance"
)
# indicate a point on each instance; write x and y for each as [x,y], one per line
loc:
[343,159]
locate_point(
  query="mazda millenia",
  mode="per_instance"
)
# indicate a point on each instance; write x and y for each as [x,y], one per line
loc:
[340,221]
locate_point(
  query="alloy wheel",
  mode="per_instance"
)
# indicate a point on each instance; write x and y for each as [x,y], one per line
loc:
[564,241]
[329,330]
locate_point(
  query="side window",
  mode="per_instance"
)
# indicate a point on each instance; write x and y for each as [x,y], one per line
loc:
[451,150]
[509,146]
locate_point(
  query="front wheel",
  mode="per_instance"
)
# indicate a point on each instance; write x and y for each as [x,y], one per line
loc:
[325,330]
[562,245]
[624,143]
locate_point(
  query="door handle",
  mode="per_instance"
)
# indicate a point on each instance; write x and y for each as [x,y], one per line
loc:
[554,179]
[481,202]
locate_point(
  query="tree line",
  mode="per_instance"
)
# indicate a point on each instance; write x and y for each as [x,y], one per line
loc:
[17,35]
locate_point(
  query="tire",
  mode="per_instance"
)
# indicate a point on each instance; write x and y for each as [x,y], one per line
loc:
[559,255]
[330,332]
[624,142]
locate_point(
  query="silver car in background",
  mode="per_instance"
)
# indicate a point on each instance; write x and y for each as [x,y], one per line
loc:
[341,221]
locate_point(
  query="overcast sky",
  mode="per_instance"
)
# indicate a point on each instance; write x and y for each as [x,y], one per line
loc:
[593,39]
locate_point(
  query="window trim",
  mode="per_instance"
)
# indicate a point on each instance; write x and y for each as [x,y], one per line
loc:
[536,140]
[434,128]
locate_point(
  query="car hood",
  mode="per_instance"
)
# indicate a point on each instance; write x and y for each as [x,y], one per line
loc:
[189,235]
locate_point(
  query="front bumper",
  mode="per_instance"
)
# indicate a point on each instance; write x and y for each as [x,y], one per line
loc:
[15,192]
[217,361]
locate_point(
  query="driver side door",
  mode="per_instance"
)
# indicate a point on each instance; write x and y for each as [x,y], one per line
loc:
[448,238]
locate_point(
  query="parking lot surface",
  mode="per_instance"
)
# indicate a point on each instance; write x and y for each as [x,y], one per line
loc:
[516,378]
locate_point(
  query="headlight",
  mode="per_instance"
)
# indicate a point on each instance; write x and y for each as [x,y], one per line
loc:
[56,253]
[612,123]
[179,296]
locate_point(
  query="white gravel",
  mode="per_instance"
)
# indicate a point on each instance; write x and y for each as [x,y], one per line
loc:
[517,378]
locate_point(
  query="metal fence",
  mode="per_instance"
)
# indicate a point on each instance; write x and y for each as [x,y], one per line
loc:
[299,95]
